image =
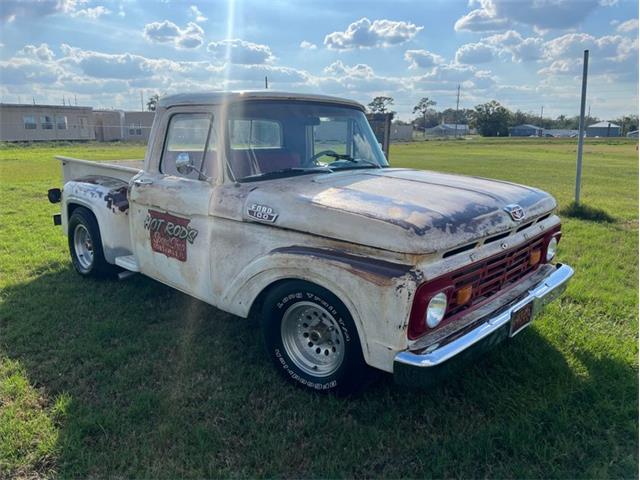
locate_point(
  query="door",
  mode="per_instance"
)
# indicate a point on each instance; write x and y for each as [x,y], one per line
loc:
[170,223]
[84,127]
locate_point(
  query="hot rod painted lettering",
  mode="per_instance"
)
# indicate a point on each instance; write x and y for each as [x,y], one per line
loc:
[169,234]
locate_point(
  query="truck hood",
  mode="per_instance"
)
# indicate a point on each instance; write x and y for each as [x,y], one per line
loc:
[400,210]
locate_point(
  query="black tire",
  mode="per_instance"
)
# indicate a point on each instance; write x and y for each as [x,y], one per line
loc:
[352,374]
[82,220]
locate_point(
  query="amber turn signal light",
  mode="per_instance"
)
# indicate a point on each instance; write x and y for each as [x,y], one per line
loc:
[534,257]
[463,295]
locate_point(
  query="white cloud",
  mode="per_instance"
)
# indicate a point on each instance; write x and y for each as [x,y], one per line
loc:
[42,52]
[339,68]
[541,14]
[192,36]
[481,20]
[355,79]
[115,66]
[238,51]
[92,13]
[366,34]
[23,72]
[628,26]
[15,9]
[308,45]
[196,14]
[520,49]
[450,75]
[474,53]
[613,56]
[422,59]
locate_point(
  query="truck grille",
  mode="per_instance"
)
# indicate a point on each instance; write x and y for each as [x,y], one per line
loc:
[494,274]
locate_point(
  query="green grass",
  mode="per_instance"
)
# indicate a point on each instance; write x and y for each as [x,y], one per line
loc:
[133,379]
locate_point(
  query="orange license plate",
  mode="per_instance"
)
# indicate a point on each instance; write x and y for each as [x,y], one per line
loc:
[520,319]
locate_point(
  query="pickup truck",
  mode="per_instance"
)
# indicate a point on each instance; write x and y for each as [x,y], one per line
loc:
[282,207]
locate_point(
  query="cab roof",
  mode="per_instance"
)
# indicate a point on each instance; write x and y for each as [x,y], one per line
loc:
[217,98]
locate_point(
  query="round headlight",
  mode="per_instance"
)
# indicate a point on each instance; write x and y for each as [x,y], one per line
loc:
[436,310]
[552,248]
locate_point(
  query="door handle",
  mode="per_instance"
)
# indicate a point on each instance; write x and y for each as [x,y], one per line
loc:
[142,181]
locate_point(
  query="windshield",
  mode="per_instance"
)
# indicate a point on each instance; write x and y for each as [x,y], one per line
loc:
[266,139]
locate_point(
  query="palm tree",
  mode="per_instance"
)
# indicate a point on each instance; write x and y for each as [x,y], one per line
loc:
[153,102]
[423,107]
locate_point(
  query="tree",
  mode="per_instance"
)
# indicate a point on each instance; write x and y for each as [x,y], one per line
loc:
[628,123]
[380,105]
[491,119]
[450,115]
[423,106]
[153,102]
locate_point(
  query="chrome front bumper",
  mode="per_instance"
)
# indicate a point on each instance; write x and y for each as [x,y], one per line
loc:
[431,363]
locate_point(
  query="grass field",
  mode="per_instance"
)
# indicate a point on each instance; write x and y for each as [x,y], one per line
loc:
[133,379]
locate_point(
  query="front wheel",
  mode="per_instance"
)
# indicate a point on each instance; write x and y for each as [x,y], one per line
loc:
[312,339]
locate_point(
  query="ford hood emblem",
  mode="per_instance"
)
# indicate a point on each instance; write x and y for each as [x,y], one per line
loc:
[515,211]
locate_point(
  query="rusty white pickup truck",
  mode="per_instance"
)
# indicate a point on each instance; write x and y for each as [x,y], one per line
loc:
[283,206]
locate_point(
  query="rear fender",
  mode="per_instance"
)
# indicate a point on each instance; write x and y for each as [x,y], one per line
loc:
[106,198]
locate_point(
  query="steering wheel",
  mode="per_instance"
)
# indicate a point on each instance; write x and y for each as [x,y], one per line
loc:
[321,154]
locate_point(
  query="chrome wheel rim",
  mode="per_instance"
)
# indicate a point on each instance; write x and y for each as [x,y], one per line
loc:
[83,246]
[312,338]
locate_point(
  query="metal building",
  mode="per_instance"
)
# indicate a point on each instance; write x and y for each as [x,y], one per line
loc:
[26,123]
[449,130]
[401,132]
[526,130]
[604,129]
[119,125]
[137,126]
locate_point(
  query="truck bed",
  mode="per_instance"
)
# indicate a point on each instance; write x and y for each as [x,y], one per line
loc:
[75,168]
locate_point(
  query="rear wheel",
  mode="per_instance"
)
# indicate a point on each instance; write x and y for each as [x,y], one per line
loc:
[311,337]
[85,245]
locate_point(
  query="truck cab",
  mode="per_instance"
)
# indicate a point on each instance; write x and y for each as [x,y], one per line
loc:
[283,207]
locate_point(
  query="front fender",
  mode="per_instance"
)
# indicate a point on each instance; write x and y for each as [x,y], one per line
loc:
[378,299]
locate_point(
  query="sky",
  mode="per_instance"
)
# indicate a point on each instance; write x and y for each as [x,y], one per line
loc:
[525,54]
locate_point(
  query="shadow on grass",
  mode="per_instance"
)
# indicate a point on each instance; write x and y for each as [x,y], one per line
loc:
[161,385]
[585,212]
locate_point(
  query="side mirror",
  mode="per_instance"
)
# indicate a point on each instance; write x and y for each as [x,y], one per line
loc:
[184,165]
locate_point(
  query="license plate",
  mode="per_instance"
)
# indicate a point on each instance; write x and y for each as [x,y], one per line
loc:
[521,319]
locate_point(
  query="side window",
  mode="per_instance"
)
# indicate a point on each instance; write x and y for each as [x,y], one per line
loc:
[46,122]
[187,134]
[254,134]
[29,122]
[61,122]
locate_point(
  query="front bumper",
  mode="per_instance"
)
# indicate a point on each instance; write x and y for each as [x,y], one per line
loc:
[434,363]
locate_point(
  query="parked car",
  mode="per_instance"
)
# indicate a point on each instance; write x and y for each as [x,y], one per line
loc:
[282,206]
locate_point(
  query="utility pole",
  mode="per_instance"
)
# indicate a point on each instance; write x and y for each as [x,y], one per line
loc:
[589,114]
[141,101]
[583,99]
[541,113]
[76,99]
[455,132]
[266,83]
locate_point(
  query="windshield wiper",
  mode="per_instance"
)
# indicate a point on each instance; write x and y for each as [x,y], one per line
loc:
[285,172]
[349,158]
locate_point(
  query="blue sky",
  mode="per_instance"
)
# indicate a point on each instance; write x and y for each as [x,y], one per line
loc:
[525,54]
